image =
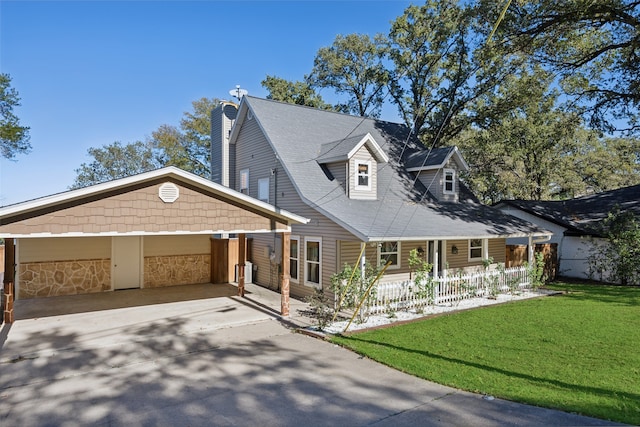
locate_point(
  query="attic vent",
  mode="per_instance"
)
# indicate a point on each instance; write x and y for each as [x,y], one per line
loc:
[169,192]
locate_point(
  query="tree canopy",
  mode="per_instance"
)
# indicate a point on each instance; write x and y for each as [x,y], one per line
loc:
[591,45]
[299,93]
[14,138]
[115,161]
[353,65]
[187,147]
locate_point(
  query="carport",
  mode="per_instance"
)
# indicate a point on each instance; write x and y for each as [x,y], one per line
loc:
[154,229]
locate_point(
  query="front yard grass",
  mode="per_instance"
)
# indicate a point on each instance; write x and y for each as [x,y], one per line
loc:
[578,352]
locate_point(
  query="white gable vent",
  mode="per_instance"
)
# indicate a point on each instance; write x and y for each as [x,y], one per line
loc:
[169,192]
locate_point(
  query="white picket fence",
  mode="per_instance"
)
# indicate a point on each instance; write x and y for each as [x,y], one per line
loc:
[404,295]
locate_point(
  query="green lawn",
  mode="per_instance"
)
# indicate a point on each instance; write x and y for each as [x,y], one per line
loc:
[579,352]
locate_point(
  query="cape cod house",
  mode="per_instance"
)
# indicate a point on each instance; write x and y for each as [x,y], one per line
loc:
[365,184]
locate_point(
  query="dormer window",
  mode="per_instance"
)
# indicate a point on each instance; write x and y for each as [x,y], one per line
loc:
[449,181]
[363,175]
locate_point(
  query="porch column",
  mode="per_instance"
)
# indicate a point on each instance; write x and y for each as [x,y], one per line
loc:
[286,274]
[443,259]
[9,286]
[241,260]
[530,257]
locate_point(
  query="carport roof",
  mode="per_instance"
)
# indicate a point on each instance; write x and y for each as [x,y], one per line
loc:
[14,216]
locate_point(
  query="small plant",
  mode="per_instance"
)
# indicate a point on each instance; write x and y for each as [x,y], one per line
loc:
[536,271]
[512,283]
[391,312]
[491,282]
[352,287]
[321,308]
[423,282]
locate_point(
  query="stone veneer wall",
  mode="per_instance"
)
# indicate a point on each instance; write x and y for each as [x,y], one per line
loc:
[44,279]
[160,271]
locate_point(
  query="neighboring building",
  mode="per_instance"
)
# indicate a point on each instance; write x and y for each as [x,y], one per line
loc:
[362,183]
[576,224]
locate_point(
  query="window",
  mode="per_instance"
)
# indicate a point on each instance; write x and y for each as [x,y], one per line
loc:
[363,175]
[312,265]
[244,181]
[263,189]
[475,249]
[389,251]
[449,181]
[294,258]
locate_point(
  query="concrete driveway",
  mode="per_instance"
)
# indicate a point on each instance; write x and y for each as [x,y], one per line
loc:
[215,361]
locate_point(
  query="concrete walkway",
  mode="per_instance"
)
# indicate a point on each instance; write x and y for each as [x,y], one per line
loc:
[213,359]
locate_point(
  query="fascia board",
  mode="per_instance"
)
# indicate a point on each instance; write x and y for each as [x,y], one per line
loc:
[373,145]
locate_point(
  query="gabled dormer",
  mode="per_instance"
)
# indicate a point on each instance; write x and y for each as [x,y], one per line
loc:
[354,163]
[438,170]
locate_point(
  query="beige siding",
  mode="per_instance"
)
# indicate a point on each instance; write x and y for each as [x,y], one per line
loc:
[497,250]
[363,155]
[350,251]
[177,245]
[63,249]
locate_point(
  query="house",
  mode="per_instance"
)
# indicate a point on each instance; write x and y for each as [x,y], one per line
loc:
[145,231]
[575,223]
[365,184]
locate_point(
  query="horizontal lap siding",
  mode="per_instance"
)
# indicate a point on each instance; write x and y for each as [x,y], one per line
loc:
[350,251]
[497,250]
[339,172]
[363,155]
[260,165]
[461,259]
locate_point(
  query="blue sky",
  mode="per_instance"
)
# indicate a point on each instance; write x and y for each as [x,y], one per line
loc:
[91,73]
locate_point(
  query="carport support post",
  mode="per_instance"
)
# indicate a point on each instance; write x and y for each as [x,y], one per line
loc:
[242,244]
[9,274]
[286,274]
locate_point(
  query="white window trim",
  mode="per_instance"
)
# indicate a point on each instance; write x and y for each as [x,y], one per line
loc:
[398,252]
[295,279]
[244,189]
[357,175]
[453,181]
[313,284]
[261,182]
[483,250]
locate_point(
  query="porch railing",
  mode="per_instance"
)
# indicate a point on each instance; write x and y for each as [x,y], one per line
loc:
[405,294]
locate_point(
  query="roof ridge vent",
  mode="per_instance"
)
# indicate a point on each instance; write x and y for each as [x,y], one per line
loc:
[169,192]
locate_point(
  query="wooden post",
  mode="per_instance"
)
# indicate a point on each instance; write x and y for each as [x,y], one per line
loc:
[241,261]
[286,274]
[9,276]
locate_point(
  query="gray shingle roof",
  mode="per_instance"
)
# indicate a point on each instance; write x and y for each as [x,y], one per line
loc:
[404,209]
[582,215]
